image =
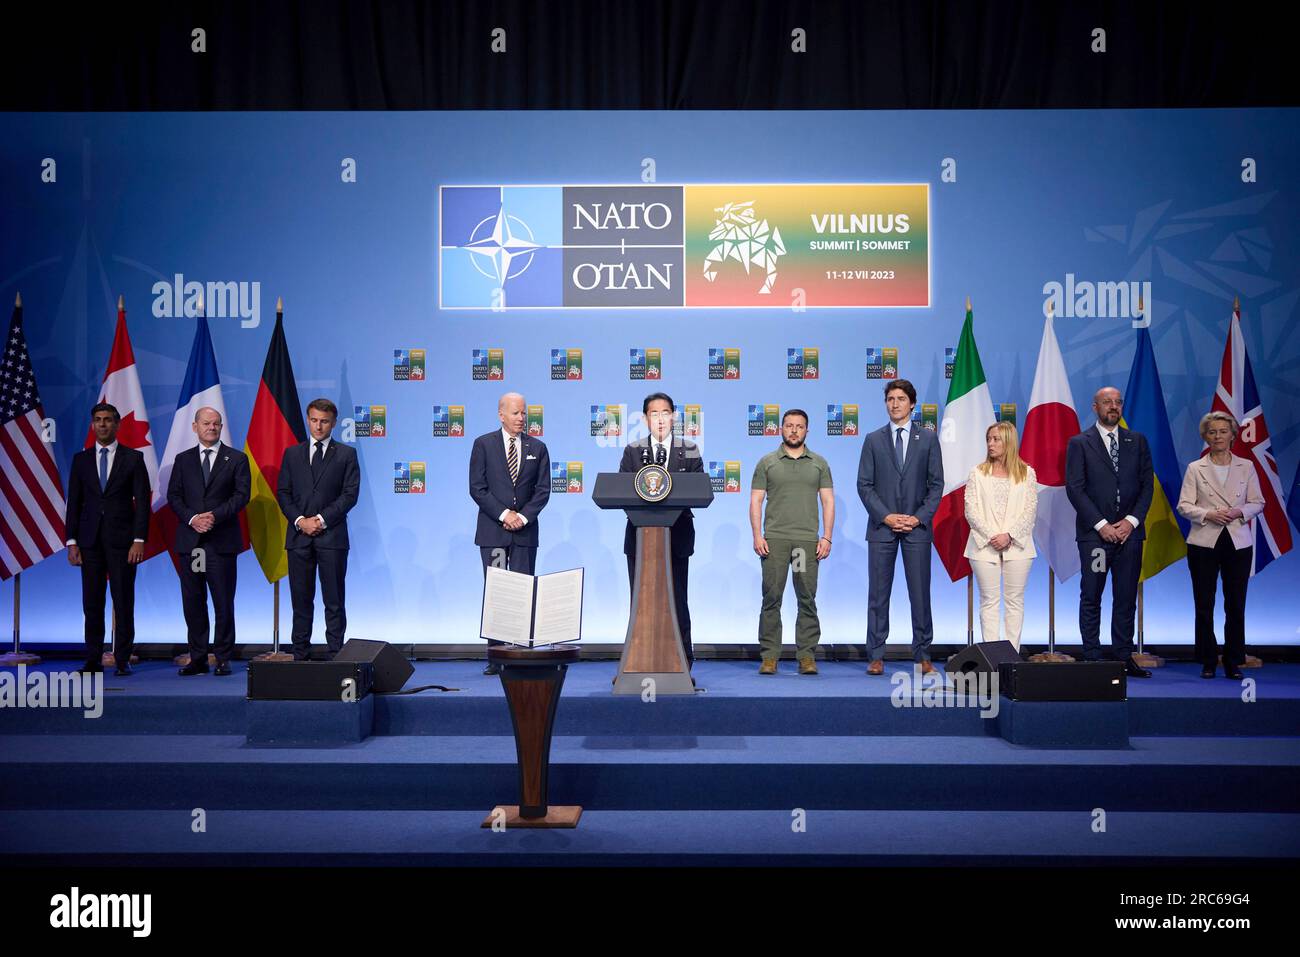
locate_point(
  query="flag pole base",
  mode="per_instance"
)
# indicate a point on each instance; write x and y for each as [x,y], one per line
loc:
[1145,660]
[1051,656]
[274,656]
[109,660]
[1250,662]
[15,658]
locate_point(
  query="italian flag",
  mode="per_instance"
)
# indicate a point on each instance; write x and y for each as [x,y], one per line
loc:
[966,418]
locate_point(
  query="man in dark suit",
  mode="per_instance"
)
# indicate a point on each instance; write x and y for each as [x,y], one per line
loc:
[676,455]
[208,488]
[510,482]
[1109,481]
[900,481]
[319,483]
[107,524]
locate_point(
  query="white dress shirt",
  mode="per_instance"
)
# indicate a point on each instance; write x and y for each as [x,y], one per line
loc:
[1105,444]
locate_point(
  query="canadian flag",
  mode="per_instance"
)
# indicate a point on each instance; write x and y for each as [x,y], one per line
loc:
[1050,423]
[121,389]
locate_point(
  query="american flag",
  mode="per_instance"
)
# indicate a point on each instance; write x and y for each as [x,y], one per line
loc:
[1237,396]
[31,494]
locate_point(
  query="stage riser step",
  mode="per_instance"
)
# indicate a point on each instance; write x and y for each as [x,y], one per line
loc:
[658,786]
[694,837]
[452,716]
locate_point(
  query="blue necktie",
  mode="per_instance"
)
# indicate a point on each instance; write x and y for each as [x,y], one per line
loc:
[898,447]
[103,468]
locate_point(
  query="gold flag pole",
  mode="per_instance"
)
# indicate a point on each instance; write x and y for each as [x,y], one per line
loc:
[275,654]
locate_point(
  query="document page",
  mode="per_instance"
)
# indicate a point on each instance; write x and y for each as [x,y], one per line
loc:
[559,607]
[507,606]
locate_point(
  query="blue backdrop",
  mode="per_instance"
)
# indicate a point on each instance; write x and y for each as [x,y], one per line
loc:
[1105,196]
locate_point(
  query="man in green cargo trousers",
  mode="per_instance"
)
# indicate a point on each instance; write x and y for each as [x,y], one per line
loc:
[793,479]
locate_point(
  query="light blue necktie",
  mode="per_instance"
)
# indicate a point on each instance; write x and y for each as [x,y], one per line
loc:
[103,468]
[1114,463]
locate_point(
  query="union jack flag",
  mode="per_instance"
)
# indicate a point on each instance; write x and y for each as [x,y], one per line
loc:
[1236,395]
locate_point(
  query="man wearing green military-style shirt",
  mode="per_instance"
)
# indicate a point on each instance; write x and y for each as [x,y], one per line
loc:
[793,479]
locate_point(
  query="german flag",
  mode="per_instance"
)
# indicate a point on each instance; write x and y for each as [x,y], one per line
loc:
[277,424]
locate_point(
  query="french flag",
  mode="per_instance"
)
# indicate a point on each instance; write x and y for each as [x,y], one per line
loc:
[201,389]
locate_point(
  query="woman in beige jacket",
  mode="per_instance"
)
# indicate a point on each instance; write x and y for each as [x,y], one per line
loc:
[1220,497]
[1001,506]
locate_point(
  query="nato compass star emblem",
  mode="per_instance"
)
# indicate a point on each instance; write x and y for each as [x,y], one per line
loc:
[502,247]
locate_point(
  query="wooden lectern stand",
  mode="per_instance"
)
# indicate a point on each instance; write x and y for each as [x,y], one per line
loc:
[532,678]
[653,645]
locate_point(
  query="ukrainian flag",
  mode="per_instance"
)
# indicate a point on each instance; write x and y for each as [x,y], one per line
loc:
[1144,411]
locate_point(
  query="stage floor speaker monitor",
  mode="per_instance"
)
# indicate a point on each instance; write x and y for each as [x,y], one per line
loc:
[308,680]
[983,656]
[1063,680]
[391,668]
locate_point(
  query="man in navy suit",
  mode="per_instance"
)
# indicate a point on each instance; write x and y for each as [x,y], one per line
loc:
[678,455]
[510,482]
[106,525]
[900,481]
[1109,481]
[319,483]
[208,488]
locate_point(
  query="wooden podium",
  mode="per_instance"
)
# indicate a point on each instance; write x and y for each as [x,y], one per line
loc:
[653,647]
[532,678]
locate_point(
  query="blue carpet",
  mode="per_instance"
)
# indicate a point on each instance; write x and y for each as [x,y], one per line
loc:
[736,700]
[425,837]
[709,779]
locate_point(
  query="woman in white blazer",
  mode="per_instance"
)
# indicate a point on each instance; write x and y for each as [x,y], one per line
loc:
[1221,498]
[1001,506]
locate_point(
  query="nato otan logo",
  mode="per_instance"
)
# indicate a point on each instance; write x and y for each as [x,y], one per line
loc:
[801,363]
[882,363]
[449,420]
[488,365]
[764,420]
[841,419]
[408,365]
[370,421]
[724,476]
[408,478]
[566,365]
[645,364]
[75,909]
[607,420]
[566,477]
[724,363]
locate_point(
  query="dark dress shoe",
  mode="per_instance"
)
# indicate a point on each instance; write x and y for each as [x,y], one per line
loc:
[194,668]
[223,668]
[123,669]
[1135,670]
[1207,671]
[492,669]
[877,667]
[1232,672]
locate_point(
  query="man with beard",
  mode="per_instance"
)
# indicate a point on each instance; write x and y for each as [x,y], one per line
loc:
[1110,482]
[793,479]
